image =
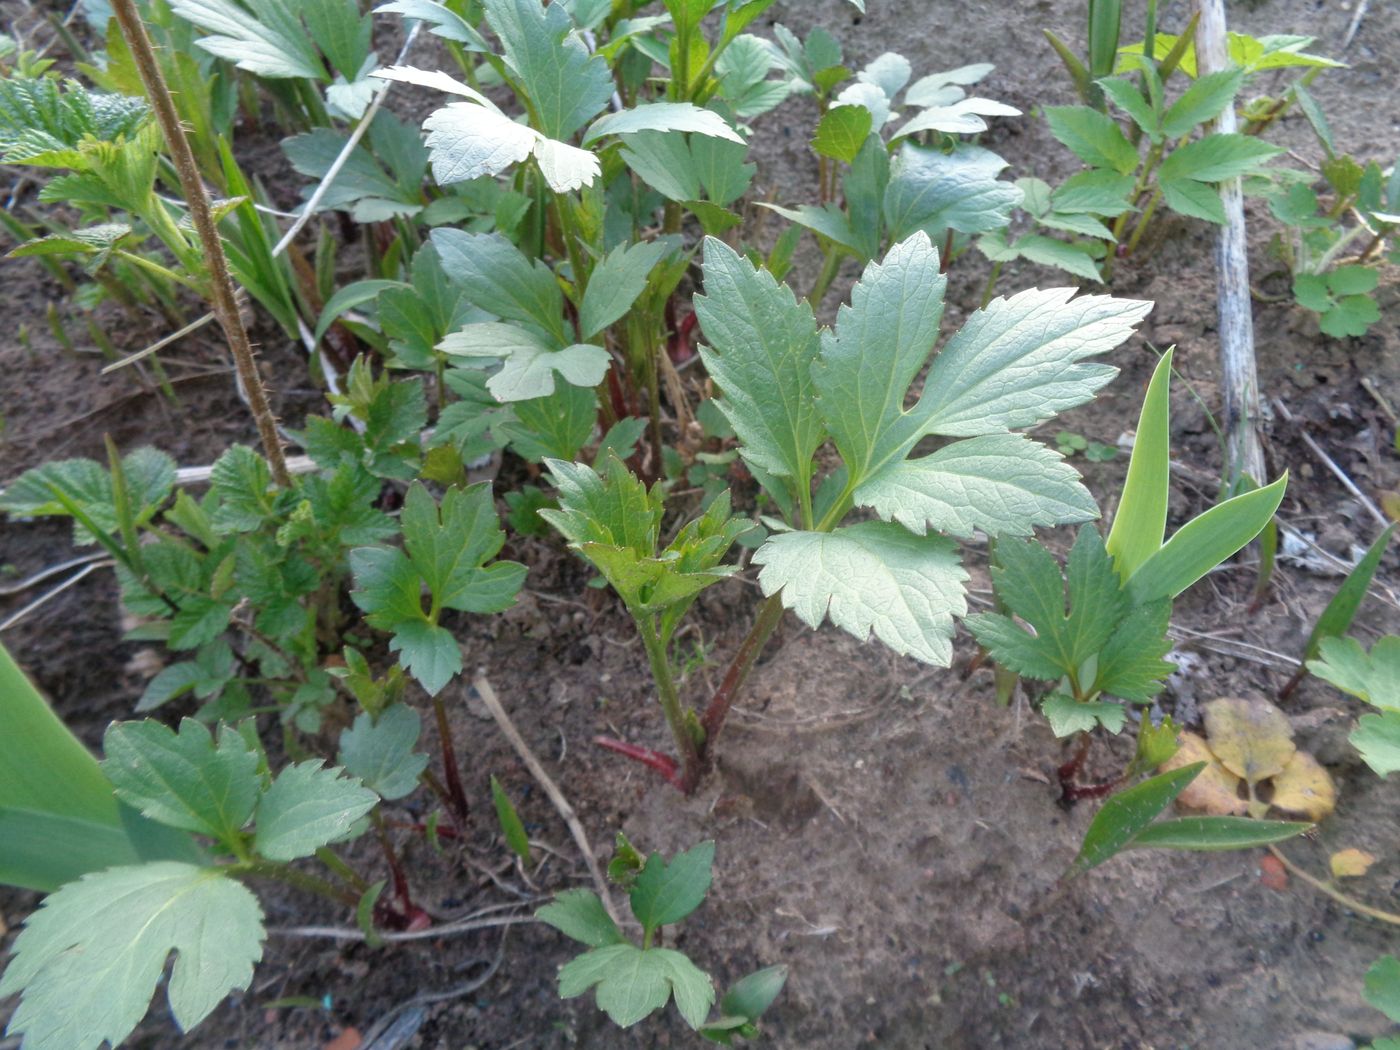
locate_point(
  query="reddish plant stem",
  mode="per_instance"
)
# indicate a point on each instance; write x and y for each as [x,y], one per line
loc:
[408,915]
[455,791]
[769,616]
[655,760]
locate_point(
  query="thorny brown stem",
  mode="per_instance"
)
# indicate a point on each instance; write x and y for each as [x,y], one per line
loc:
[221,289]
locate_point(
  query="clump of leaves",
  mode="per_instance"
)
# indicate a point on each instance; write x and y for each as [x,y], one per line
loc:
[246,579]
[1375,678]
[1341,298]
[1128,820]
[88,961]
[631,982]
[1111,640]
[1252,765]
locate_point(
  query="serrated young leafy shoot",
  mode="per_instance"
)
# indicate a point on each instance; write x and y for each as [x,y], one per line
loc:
[787,388]
[629,982]
[445,555]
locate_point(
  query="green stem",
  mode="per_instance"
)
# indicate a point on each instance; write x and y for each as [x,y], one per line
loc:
[831,266]
[298,879]
[1142,222]
[686,745]
[991,284]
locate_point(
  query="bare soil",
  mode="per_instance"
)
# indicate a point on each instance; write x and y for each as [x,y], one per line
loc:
[882,827]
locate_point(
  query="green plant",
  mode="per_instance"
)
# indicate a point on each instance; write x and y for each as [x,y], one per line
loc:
[1112,640]
[787,389]
[630,982]
[1335,246]
[87,962]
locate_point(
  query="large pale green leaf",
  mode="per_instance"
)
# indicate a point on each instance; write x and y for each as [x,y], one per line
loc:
[1141,520]
[269,42]
[1377,737]
[566,85]
[881,341]
[763,341]
[1003,484]
[933,191]
[88,960]
[663,116]
[871,577]
[308,807]
[466,141]
[529,363]
[1204,542]
[1021,360]
[442,20]
[185,779]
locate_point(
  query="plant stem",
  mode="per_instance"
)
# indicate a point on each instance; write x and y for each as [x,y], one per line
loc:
[1337,895]
[299,879]
[991,284]
[456,793]
[831,266]
[1141,226]
[221,291]
[769,616]
[686,745]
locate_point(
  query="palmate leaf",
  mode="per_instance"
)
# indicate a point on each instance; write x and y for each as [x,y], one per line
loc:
[269,41]
[1002,484]
[88,960]
[446,551]
[186,779]
[529,363]
[308,807]
[871,577]
[567,85]
[1101,620]
[633,983]
[380,751]
[763,342]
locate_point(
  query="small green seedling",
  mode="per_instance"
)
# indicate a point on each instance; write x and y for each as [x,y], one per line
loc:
[1341,298]
[630,982]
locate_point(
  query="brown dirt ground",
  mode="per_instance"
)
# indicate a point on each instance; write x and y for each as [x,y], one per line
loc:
[882,827]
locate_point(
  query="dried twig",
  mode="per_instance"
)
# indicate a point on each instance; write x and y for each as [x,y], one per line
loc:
[48,596]
[1361,7]
[52,570]
[451,929]
[522,749]
[381,1027]
[1331,464]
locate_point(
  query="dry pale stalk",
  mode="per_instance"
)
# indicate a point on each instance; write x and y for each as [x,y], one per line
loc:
[221,291]
[1239,378]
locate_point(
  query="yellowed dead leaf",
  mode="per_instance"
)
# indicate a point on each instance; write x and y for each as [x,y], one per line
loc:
[1351,863]
[1304,787]
[1251,738]
[1215,790]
